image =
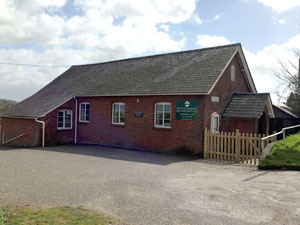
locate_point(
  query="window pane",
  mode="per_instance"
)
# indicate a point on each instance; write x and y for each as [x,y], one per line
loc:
[82,106]
[115,119]
[122,107]
[122,114]
[59,124]
[159,108]
[82,114]
[167,115]
[159,115]
[168,108]
[116,107]
[116,114]
[160,122]
[167,123]
[216,123]
[60,114]
[84,111]
[68,125]
[60,119]
[122,120]
[68,119]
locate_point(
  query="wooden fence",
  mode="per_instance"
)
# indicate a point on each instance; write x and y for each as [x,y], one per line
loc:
[234,147]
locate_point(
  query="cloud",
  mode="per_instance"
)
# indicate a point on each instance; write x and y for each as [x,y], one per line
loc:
[174,11]
[39,32]
[26,21]
[280,6]
[264,63]
[204,40]
[195,18]
[282,21]
[217,17]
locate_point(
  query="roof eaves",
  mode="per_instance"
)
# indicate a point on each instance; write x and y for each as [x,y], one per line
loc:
[18,117]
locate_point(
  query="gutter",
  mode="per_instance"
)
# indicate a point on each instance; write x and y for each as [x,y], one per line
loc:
[75,132]
[43,131]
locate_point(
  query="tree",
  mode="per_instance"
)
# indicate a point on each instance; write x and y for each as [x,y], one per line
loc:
[6,104]
[288,90]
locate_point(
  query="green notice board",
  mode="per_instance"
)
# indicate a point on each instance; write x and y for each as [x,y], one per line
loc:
[187,110]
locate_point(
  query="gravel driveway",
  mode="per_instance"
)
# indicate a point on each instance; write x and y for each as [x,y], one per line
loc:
[148,188]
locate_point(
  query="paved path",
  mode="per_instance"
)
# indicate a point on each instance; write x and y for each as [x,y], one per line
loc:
[148,188]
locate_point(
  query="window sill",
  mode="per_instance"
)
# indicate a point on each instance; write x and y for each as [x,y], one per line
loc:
[64,128]
[162,128]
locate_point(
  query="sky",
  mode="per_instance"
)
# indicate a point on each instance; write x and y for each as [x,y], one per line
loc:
[59,33]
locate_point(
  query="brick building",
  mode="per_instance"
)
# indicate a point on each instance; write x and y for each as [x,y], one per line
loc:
[159,103]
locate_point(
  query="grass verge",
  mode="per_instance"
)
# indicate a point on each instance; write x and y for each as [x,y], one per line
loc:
[53,216]
[284,155]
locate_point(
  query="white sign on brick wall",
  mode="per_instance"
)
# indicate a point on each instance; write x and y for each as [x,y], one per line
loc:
[214,99]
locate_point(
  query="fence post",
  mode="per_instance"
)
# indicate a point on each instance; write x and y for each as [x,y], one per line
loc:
[205,143]
[237,146]
[283,133]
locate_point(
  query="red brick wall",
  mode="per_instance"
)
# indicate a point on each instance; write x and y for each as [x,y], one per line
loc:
[52,134]
[224,89]
[138,132]
[245,125]
[13,127]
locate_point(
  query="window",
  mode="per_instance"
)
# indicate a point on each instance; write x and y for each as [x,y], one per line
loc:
[232,72]
[64,119]
[162,116]
[118,113]
[214,127]
[84,112]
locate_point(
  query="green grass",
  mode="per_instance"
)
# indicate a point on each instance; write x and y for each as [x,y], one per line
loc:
[284,154]
[53,216]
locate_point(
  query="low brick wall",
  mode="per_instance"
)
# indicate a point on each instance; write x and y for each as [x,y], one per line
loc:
[13,127]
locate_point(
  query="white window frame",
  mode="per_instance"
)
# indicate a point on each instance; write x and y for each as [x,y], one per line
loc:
[232,73]
[112,113]
[64,119]
[164,104]
[212,122]
[85,120]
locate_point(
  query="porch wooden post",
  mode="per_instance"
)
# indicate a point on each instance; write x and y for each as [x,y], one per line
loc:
[237,146]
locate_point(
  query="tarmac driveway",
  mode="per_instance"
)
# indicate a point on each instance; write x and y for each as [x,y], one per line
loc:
[148,188]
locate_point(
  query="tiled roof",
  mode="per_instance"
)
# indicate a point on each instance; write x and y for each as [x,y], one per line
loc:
[187,72]
[249,105]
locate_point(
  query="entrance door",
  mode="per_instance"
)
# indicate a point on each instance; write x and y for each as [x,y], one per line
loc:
[262,124]
[214,126]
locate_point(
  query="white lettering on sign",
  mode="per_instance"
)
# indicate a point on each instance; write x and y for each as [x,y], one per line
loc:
[214,99]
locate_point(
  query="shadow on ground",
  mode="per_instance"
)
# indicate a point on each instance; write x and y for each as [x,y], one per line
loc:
[126,154]
[111,153]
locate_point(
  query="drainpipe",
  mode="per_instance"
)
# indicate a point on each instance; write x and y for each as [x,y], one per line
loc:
[43,132]
[75,138]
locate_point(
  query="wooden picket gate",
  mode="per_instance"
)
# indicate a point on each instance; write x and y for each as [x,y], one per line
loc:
[234,147]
